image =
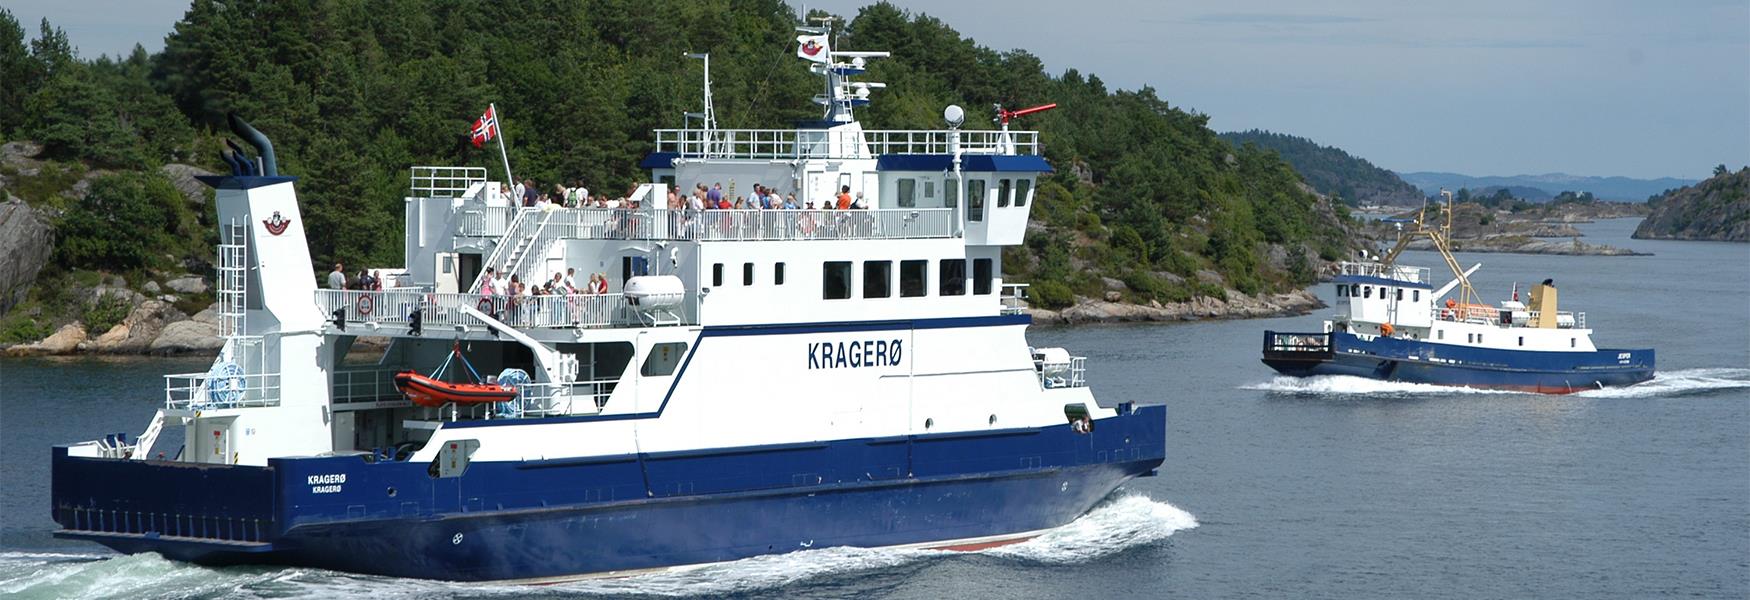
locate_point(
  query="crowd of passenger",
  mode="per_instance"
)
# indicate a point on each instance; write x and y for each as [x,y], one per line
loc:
[528,194]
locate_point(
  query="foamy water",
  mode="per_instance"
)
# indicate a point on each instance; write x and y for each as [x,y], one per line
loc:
[1682,382]
[1121,523]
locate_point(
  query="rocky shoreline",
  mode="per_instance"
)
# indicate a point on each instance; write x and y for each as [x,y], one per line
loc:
[1237,306]
[1521,244]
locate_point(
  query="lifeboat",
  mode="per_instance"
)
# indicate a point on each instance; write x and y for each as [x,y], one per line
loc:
[427,391]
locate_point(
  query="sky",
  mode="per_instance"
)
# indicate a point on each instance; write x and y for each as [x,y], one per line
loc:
[1643,88]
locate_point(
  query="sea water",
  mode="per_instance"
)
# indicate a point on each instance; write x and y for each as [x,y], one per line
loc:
[1273,487]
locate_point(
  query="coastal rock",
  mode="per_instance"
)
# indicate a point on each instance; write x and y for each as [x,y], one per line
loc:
[1717,209]
[26,242]
[20,157]
[187,336]
[187,284]
[151,287]
[64,341]
[136,333]
[1235,306]
[183,177]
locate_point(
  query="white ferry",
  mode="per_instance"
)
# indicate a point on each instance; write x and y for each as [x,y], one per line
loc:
[762,381]
[1392,324]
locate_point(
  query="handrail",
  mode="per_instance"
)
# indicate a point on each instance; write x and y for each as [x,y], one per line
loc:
[505,242]
[538,244]
[443,182]
[393,308]
[815,143]
[740,225]
[1013,298]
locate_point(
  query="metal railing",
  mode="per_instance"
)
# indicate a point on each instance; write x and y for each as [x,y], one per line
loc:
[209,527]
[1014,298]
[190,391]
[806,143]
[395,307]
[1491,316]
[364,386]
[484,221]
[1297,342]
[1564,319]
[1396,272]
[554,399]
[444,182]
[1073,374]
[749,225]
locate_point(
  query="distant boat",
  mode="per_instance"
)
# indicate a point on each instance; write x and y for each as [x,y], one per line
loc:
[1392,325]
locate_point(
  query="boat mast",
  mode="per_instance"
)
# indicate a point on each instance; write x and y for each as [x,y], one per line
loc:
[1440,237]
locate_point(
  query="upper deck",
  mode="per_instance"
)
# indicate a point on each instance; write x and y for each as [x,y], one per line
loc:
[795,144]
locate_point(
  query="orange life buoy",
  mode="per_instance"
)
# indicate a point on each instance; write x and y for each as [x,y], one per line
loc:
[1385,329]
[1451,303]
[366,305]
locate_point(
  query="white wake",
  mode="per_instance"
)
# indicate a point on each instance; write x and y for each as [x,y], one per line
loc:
[1339,385]
[1683,382]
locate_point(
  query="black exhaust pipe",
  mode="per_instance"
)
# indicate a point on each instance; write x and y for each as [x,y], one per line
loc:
[269,165]
[245,164]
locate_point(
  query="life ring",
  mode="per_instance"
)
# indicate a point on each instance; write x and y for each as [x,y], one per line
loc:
[366,305]
[485,305]
[1385,329]
[1451,303]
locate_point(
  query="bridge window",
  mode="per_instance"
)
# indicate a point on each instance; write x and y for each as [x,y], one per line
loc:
[1002,193]
[1342,291]
[981,276]
[1415,295]
[877,278]
[717,275]
[835,278]
[747,273]
[777,273]
[663,359]
[1022,188]
[950,193]
[1367,291]
[952,277]
[975,200]
[1400,294]
[929,189]
[907,189]
[912,275]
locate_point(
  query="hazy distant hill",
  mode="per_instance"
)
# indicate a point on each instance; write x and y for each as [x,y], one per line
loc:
[1528,194]
[1605,188]
[1715,209]
[1332,171]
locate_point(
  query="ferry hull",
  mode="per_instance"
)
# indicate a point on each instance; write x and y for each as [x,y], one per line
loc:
[1416,361]
[1049,477]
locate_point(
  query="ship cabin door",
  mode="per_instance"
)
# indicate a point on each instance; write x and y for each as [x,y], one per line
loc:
[449,273]
[212,441]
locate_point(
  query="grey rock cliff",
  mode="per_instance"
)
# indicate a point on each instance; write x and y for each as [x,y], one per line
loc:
[26,242]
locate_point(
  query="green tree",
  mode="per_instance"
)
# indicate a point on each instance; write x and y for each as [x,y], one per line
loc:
[125,222]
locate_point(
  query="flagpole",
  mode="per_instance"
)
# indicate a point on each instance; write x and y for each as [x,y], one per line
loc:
[499,117]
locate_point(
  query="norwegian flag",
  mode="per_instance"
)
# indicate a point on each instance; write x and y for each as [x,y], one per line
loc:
[485,128]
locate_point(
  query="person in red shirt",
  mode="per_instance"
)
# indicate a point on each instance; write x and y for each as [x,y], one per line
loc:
[844,197]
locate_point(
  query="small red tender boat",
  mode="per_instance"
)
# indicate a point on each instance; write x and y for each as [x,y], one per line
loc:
[426,391]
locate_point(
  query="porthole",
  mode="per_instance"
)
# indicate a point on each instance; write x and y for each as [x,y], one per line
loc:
[390,491]
[928,423]
[993,419]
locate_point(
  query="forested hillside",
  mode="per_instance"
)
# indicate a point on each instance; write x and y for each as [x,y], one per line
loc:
[355,91]
[1717,208]
[1332,171]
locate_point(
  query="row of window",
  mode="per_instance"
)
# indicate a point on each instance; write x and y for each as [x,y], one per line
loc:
[1477,338]
[835,277]
[1356,290]
[878,277]
[1015,190]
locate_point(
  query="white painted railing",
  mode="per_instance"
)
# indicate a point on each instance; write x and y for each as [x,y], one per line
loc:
[484,221]
[811,143]
[374,385]
[1373,269]
[444,182]
[184,391]
[439,311]
[1014,298]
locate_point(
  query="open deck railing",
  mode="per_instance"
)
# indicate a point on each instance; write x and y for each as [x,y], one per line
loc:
[807,143]
[444,182]
[186,391]
[438,311]
[1014,298]
[1460,314]
[484,221]
[1396,272]
[718,225]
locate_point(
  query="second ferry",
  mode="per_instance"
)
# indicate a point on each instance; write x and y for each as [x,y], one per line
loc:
[1391,324]
[752,382]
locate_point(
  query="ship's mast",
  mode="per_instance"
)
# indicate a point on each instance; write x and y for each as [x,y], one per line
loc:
[1440,237]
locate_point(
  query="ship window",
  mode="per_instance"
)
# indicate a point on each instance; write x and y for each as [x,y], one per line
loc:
[1522,340]
[912,275]
[1022,188]
[952,277]
[1440,334]
[950,193]
[663,359]
[1415,295]
[877,278]
[1400,294]
[717,275]
[975,200]
[1479,338]
[1570,342]
[929,189]
[835,277]
[1469,338]
[1342,291]
[1003,193]
[747,273]
[1367,291]
[981,276]
[907,192]
[777,273]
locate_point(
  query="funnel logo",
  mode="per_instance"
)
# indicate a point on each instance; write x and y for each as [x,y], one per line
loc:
[276,224]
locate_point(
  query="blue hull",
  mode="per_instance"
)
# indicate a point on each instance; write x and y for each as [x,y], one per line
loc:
[558,519]
[1419,361]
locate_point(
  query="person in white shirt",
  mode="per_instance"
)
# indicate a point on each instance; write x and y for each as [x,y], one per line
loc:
[516,193]
[571,280]
[755,197]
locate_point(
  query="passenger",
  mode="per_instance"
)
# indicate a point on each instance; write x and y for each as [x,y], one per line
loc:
[790,202]
[715,195]
[674,200]
[529,192]
[363,281]
[488,285]
[740,203]
[504,193]
[859,203]
[337,277]
[571,280]
[516,193]
[844,197]
[697,199]
[376,281]
[578,195]
[753,197]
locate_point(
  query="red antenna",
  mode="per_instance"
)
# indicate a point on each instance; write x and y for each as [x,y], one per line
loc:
[1003,115]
